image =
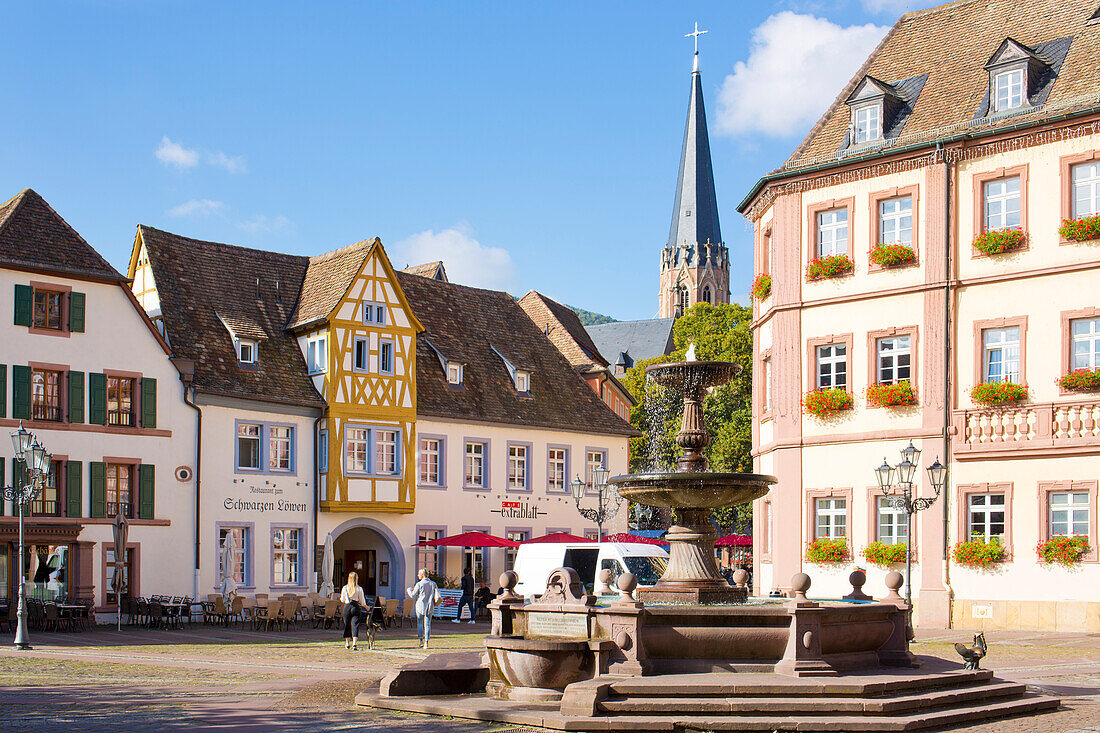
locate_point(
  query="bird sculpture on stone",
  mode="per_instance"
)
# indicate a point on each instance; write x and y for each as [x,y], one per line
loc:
[972,654]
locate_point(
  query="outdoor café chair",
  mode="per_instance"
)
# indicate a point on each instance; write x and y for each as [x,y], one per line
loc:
[328,616]
[408,606]
[393,609]
[271,614]
[291,607]
[248,610]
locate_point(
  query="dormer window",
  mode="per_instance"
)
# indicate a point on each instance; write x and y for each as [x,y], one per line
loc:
[1008,90]
[867,123]
[454,372]
[523,381]
[374,314]
[247,353]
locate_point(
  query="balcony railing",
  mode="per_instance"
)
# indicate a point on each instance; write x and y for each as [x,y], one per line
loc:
[1041,426]
[124,418]
[45,412]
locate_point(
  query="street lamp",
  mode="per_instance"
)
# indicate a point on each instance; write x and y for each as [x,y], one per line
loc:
[608,499]
[36,462]
[910,504]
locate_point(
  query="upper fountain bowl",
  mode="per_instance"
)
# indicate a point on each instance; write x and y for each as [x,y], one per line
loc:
[693,490]
[698,374]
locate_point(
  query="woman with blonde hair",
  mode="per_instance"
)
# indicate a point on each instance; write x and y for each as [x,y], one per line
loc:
[354,605]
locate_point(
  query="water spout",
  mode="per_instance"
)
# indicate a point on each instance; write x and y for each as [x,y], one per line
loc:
[690,355]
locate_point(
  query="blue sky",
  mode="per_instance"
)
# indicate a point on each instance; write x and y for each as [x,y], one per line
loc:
[531,145]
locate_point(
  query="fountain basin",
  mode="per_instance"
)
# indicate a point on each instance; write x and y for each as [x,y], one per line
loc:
[539,669]
[696,490]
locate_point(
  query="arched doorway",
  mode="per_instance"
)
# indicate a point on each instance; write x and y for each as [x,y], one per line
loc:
[372,550]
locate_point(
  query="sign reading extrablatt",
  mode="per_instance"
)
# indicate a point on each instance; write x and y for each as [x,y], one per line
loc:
[518,510]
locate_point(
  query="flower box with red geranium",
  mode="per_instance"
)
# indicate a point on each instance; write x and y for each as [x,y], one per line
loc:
[1081,380]
[1066,551]
[998,394]
[1083,229]
[891,395]
[822,268]
[999,241]
[884,555]
[823,402]
[892,255]
[979,553]
[762,286]
[826,551]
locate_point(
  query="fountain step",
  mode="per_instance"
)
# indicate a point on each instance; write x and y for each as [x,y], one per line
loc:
[820,705]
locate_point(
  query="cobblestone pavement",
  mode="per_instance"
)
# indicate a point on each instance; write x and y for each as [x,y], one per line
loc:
[304,680]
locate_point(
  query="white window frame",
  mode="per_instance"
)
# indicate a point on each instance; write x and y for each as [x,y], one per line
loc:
[317,354]
[360,347]
[382,348]
[454,372]
[249,347]
[286,560]
[510,553]
[895,221]
[557,469]
[243,554]
[258,438]
[431,452]
[867,123]
[1002,204]
[428,557]
[357,438]
[387,451]
[1071,509]
[275,444]
[831,232]
[831,517]
[1085,342]
[1085,178]
[523,380]
[891,352]
[832,363]
[593,458]
[1001,349]
[518,466]
[1008,90]
[470,458]
[891,526]
[980,512]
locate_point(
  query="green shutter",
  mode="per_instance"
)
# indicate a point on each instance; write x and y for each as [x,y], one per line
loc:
[20,392]
[98,503]
[76,397]
[76,312]
[146,473]
[97,398]
[3,396]
[23,296]
[74,488]
[148,402]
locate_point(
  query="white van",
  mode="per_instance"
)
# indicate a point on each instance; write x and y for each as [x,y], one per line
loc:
[535,561]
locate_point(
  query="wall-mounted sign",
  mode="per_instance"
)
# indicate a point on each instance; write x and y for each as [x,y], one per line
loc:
[279,505]
[518,510]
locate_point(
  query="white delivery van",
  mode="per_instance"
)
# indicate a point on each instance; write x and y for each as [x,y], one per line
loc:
[535,561]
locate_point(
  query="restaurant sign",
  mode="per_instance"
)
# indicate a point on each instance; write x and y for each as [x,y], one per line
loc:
[518,510]
[264,504]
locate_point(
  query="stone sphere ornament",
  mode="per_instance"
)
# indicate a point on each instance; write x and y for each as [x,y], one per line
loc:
[740,578]
[627,583]
[858,579]
[604,577]
[894,581]
[800,583]
[508,580]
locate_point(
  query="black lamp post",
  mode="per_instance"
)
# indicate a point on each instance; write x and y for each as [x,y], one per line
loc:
[908,503]
[607,499]
[36,462]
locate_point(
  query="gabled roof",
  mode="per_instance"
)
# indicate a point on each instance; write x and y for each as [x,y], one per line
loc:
[695,210]
[205,284]
[637,339]
[430,270]
[482,328]
[869,88]
[34,237]
[951,43]
[564,329]
[327,279]
[1011,50]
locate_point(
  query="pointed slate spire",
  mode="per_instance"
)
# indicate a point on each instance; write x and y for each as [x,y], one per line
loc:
[695,213]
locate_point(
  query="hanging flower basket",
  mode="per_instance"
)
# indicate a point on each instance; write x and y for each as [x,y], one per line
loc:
[824,402]
[1080,380]
[762,286]
[997,394]
[831,266]
[884,555]
[1080,230]
[891,395]
[1066,551]
[999,241]
[827,551]
[892,255]
[978,553]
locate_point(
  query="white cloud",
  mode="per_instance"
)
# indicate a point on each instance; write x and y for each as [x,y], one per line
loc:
[796,67]
[467,260]
[202,207]
[261,223]
[171,153]
[233,164]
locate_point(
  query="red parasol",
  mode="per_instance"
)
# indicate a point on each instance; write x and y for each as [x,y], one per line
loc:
[734,540]
[469,539]
[558,537]
[636,539]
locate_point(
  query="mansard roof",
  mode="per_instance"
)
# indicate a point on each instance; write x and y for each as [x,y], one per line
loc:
[203,285]
[481,328]
[34,237]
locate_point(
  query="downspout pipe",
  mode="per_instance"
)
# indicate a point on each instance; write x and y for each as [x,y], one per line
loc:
[316,495]
[186,368]
[948,404]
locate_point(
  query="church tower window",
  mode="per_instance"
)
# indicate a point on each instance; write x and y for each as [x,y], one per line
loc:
[706,293]
[681,299]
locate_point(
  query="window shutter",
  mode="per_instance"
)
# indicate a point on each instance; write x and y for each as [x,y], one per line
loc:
[3,398]
[97,398]
[23,296]
[147,481]
[98,503]
[76,312]
[74,489]
[76,397]
[20,392]
[148,402]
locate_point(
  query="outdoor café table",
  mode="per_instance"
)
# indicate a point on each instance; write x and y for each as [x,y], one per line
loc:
[70,611]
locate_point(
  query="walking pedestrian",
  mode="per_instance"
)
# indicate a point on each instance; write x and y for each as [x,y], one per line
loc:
[354,604]
[425,594]
[467,599]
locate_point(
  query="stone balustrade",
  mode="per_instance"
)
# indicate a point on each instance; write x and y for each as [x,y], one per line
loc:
[1040,427]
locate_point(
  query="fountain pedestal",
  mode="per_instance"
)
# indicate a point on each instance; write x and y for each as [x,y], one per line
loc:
[692,575]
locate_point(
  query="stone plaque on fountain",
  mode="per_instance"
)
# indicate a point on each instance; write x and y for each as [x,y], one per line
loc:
[557,625]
